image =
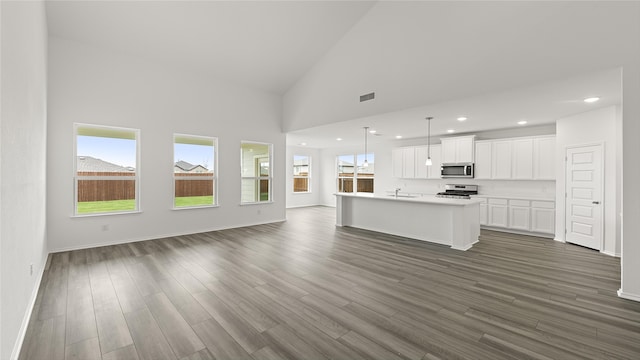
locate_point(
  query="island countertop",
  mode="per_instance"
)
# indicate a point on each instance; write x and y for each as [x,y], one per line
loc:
[446,221]
[431,199]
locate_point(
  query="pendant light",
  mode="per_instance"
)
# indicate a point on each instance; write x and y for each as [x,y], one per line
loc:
[429,162]
[366,163]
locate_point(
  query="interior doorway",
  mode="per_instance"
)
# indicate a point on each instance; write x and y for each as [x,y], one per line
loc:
[584,194]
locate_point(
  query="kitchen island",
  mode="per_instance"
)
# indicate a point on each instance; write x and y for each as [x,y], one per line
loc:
[452,222]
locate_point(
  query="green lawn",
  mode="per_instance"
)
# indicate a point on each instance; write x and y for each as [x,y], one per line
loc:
[193,201]
[95,207]
[91,207]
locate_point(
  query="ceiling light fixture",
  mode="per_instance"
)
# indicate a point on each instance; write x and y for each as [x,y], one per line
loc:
[366,163]
[303,144]
[462,118]
[398,136]
[429,162]
[591,99]
[451,131]
[522,122]
[372,131]
[339,139]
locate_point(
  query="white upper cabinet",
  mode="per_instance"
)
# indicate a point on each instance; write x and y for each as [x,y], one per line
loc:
[458,149]
[501,159]
[428,172]
[544,152]
[523,159]
[404,162]
[483,160]
[397,162]
[422,171]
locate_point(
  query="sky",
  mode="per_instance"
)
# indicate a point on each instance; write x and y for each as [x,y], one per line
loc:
[116,151]
[123,151]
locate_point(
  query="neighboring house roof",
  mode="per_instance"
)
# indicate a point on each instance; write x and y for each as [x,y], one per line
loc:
[187,167]
[91,164]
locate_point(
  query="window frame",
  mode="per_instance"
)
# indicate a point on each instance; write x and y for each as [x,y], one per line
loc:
[355,173]
[136,177]
[214,176]
[308,176]
[258,178]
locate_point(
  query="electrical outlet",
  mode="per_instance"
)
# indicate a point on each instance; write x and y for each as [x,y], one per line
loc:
[105,227]
[31,269]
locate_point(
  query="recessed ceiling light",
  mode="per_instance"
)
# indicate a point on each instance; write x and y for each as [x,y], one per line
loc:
[450,131]
[372,131]
[591,99]
[398,136]
[339,139]
[303,144]
[522,122]
[462,118]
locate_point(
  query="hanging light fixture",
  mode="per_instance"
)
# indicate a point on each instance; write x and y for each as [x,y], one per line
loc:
[366,163]
[429,162]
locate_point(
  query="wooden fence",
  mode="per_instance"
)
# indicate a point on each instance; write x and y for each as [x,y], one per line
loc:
[364,185]
[103,189]
[300,184]
[125,189]
[192,187]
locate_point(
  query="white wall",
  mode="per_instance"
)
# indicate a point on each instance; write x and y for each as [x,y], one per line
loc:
[95,86]
[597,126]
[22,163]
[310,198]
[630,287]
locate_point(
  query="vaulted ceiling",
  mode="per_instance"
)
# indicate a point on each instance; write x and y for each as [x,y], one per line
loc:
[494,62]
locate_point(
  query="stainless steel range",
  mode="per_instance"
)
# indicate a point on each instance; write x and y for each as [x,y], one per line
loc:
[454,191]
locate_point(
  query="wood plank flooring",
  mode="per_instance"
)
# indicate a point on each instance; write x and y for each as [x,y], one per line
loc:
[305,289]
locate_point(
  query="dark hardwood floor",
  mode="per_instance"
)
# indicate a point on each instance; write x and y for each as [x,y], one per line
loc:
[304,289]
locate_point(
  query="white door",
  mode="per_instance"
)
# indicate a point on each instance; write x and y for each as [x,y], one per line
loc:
[584,196]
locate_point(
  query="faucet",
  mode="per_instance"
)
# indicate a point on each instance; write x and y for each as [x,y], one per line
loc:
[396,190]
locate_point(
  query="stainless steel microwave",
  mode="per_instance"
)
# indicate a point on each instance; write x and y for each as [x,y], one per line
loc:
[459,170]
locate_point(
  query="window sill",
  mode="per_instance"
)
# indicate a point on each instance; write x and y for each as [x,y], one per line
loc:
[301,192]
[106,214]
[256,203]
[194,207]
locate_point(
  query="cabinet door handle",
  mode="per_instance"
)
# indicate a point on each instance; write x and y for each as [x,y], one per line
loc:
[595,202]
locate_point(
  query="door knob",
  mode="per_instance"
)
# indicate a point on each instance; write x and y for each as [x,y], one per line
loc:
[595,202]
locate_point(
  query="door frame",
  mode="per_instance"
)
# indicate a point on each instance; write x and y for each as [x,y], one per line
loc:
[601,144]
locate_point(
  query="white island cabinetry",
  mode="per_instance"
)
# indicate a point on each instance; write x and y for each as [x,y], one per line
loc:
[452,222]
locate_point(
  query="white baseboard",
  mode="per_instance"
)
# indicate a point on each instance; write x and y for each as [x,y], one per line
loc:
[559,240]
[519,232]
[614,254]
[17,347]
[302,206]
[159,236]
[628,296]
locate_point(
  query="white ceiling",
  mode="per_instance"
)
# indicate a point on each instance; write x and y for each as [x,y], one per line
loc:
[538,104]
[263,44]
[354,47]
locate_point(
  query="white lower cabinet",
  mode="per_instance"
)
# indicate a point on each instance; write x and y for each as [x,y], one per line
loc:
[543,217]
[518,214]
[498,214]
[483,212]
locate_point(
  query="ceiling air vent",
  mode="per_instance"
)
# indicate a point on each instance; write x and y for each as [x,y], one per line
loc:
[367,97]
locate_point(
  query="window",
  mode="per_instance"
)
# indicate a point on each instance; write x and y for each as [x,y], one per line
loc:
[106,175]
[194,171]
[256,172]
[355,174]
[301,176]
